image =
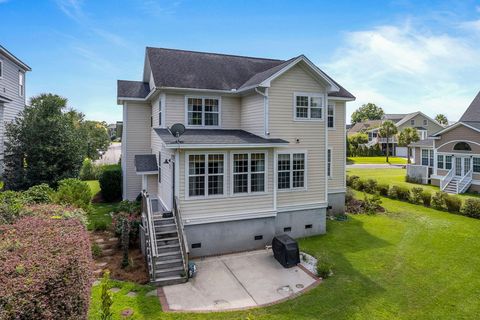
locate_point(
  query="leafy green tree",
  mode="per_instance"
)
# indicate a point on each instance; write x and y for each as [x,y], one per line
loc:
[388,130]
[368,111]
[358,139]
[406,137]
[96,137]
[442,119]
[43,145]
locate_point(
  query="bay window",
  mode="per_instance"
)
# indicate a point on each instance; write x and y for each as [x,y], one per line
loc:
[291,171]
[308,106]
[249,174]
[203,111]
[206,174]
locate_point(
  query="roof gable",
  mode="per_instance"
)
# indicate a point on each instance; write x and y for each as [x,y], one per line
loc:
[472,114]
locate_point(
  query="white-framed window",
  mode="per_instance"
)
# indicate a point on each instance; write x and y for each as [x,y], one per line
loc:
[291,170]
[329,163]
[308,106]
[205,174]
[21,83]
[160,112]
[202,111]
[476,164]
[440,161]
[249,172]
[425,122]
[427,157]
[331,115]
[412,122]
[1,69]
[448,162]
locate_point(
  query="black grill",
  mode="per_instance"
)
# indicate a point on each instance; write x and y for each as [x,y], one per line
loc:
[285,250]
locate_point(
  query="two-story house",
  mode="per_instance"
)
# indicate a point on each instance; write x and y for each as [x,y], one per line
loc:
[12,92]
[424,125]
[263,153]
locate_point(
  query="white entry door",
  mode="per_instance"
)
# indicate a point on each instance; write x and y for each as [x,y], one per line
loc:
[462,166]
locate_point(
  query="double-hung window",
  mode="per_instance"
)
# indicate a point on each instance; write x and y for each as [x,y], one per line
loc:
[291,169]
[425,122]
[206,173]
[440,161]
[249,172]
[308,106]
[427,157]
[21,84]
[203,112]
[476,165]
[331,116]
[448,162]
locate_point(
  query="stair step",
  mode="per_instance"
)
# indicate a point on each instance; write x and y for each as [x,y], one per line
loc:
[168,239]
[170,270]
[158,233]
[164,281]
[168,261]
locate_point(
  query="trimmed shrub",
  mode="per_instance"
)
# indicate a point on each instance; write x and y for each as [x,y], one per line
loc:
[426,198]
[358,184]
[11,205]
[88,171]
[471,208]
[399,193]
[41,193]
[349,196]
[372,204]
[453,204]
[129,207]
[110,180]
[416,195]
[74,192]
[370,186]
[351,179]
[438,200]
[382,189]
[56,211]
[324,269]
[46,269]
[133,220]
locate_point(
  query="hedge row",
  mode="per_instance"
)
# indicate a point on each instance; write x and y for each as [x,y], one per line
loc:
[45,266]
[417,195]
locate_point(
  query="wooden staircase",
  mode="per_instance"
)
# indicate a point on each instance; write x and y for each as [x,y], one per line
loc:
[165,246]
[452,186]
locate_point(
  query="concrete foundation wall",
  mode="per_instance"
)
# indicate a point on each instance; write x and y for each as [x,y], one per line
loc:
[337,202]
[234,236]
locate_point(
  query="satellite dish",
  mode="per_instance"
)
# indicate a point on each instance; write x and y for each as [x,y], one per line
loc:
[177,130]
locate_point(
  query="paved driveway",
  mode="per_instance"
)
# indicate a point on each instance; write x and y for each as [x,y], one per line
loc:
[237,281]
[112,155]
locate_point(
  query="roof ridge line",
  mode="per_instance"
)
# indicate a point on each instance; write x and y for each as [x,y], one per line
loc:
[218,54]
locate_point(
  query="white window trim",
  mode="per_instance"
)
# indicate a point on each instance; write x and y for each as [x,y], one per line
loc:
[443,161]
[1,69]
[334,116]
[305,175]
[309,95]
[21,92]
[249,193]
[429,151]
[187,184]
[412,122]
[219,98]
[329,163]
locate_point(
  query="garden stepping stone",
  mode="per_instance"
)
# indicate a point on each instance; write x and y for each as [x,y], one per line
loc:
[126,313]
[114,289]
[101,264]
[152,293]
[131,294]
[113,239]
[99,240]
[98,271]
[107,252]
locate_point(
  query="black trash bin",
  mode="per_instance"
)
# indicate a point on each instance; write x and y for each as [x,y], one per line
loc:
[285,250]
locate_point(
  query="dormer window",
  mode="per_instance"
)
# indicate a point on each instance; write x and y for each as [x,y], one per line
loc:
[308,106]
[203,112]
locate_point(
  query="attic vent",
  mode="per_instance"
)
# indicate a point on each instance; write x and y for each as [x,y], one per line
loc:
[287,229]
[260,237]
[308,226]
[196,245]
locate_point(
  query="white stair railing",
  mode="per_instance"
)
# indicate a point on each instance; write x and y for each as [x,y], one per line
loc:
[464,183]
[446,179]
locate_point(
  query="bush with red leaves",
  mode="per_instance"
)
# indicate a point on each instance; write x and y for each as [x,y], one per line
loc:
[45,268]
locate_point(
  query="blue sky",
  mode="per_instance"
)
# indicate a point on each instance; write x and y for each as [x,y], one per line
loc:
[402,55]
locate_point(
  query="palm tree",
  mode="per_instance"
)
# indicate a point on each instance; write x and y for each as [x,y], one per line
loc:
[406,137]
[442,119]
[387,130]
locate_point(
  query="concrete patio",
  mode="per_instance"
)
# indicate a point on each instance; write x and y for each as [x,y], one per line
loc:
[236,281]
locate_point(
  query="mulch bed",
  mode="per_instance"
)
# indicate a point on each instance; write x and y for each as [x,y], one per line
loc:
[112,256]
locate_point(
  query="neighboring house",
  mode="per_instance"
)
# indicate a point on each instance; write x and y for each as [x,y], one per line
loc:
[112,130]
[425,126]
[263,152]
[12,92]
[451,157]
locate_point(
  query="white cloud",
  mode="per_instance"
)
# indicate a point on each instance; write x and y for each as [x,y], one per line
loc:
[72,8]
[403,69]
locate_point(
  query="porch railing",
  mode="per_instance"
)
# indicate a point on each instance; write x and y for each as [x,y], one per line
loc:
[446,179]
[181,234]
[147,217]
[464,182]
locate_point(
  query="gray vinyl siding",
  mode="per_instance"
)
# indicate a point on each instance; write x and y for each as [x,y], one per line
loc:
[336,142]
[225,205]
[9,88]
[311,134]
[136,140]
[252,117]
[432,127]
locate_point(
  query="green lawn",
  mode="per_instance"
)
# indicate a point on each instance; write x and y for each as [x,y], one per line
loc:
[376,160]
[409,263]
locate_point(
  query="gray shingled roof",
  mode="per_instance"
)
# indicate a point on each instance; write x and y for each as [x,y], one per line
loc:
[215,136]
[422,143]
[472,114]
[202,70]
[132,89]
[145,163]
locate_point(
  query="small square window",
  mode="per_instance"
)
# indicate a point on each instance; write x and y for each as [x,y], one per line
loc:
[287,229]
[196,245]
[308,226]
[260,237]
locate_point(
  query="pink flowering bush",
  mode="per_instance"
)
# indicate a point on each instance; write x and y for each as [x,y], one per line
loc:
[45,267]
